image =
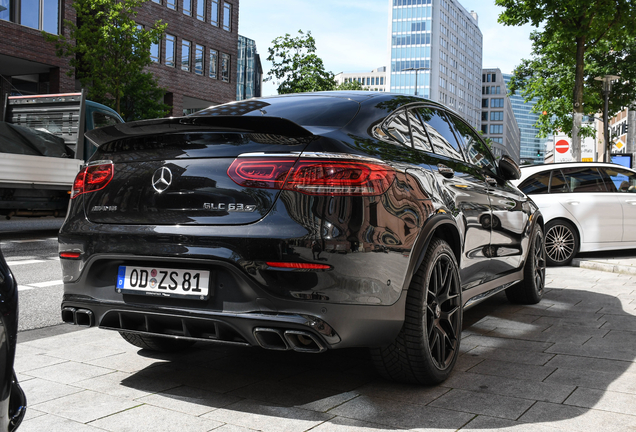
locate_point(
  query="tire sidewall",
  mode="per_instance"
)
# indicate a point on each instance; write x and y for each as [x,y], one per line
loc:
[552,224]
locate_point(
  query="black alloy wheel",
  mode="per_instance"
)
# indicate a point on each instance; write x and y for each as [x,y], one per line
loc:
[561,242]
[530,289]
[427,347]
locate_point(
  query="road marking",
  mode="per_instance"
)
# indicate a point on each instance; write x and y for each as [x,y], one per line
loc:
[24,287]
[46,284]
[17,262]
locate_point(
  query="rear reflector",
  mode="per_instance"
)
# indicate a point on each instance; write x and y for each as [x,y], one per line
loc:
[71,255]
[293,265]
[313,176]
[92,178]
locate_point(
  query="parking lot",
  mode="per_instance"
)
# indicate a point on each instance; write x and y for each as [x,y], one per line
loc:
[565,364]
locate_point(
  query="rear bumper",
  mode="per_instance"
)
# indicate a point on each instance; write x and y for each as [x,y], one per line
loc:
[330,326]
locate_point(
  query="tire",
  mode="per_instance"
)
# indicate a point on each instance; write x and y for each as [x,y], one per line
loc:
[156,343]
[561,242]
[427,347]
[530,289]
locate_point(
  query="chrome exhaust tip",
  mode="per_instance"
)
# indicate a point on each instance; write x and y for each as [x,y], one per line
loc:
[68,315]
[270,338]
[84,317]
[304,342]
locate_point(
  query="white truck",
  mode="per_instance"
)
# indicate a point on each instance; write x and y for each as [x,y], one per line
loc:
[42,147]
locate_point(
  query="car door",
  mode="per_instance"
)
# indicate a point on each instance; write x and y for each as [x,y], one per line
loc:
[510,212]
[596,210]
[622,184]
[465,192]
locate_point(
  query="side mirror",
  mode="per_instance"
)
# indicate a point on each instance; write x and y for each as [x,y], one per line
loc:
[508,168]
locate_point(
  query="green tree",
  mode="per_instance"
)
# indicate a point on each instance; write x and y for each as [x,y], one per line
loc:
[351,85]
[296,67]
[109,51]
[578,40]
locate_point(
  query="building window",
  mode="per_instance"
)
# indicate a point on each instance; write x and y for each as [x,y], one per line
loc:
[157,1]
[381,80]
[484,116]
[227,16]
[214,13]
[198,60]
[185,55]
[172,4]
[484,129]
[171,41]
[484,103]
[213,63]
[155,52]
[225,67]
[496,103]
[496,116]
[496,129]
[187,7]
[201,10]
[37,14]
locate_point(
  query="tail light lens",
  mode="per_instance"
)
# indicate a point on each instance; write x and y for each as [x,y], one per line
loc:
[314,176]
[92,178]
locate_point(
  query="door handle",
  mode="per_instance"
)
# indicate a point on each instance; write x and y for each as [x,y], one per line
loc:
[445,171]
[632,202]
[574,202]
[491,181]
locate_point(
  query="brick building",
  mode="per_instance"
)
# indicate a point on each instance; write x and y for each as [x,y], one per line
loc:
[195,62]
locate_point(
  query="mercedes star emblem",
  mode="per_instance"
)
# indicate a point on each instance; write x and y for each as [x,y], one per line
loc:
[161,179]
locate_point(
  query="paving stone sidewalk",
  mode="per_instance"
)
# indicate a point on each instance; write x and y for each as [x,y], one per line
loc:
[566,364]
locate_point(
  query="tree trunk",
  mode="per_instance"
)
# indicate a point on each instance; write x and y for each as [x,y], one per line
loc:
[578,98]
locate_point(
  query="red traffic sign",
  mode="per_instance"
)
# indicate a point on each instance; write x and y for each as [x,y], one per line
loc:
[562,146]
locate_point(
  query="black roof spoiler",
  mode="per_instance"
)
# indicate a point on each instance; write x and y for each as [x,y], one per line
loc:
[245,124]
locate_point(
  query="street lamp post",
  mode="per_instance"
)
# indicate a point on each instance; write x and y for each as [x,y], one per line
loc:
[415,69]
[607,88]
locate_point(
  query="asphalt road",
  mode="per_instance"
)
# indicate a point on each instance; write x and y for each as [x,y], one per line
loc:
[30,248]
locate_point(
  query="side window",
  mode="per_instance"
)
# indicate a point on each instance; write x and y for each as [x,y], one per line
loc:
[622,180]
[420,139]
[474,148]
[398,128]
[438,128]
[536,184]
[584,179]
[558,183]
[101,119]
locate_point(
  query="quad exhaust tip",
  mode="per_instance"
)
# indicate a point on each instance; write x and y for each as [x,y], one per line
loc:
[283,340]
[80,317]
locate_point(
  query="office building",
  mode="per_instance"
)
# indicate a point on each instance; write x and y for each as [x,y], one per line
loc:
[372,81]
[249,70]
[532,148]
[195,62]
[436,52]
[498,120]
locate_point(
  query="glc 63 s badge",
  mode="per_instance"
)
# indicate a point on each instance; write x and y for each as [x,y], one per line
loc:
[232,207]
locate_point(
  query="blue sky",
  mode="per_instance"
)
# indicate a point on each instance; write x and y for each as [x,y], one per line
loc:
[351,35]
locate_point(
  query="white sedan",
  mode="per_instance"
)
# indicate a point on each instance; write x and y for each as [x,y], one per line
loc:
[586,206]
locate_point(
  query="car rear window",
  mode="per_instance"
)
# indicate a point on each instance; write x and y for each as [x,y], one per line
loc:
[583,179]
[322,111]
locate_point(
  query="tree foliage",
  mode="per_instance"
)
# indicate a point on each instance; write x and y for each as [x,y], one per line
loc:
[109,51]
[578,40]
[351,85]
[296,67]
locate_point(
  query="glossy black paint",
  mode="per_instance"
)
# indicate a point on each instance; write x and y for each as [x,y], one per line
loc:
[373,244]
[12,398]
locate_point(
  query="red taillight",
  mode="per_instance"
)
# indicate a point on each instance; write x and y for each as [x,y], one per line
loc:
[293,265]
[71,255]
[314,176]
[92,178]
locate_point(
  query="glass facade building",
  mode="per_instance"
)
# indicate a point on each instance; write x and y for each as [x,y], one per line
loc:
[532,148]
[249,75]
[436,52]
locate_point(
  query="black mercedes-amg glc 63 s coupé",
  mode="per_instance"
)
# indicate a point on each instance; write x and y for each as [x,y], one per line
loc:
[301,222]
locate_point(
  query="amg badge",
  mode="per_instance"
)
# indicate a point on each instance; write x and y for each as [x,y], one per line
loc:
[232,207]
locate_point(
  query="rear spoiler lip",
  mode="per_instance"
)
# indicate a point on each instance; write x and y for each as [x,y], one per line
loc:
[172,125]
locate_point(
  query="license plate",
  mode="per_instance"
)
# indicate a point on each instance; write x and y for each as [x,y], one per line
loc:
[163,282]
